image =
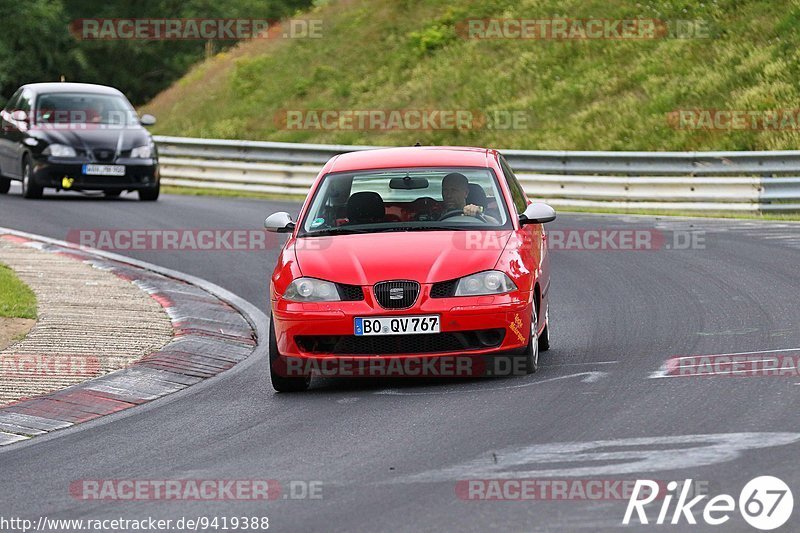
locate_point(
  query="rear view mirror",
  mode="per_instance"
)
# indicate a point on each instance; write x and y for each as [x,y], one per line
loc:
[279,222]
[19,115]
[147,120]
[537,214]
[408,183]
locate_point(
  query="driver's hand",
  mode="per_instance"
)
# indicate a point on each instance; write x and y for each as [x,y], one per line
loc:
[472,210]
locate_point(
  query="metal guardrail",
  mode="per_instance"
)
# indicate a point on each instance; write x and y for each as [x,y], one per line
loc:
[685,181]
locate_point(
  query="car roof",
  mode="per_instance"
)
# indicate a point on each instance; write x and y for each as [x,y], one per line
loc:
[65,87]
[414,156]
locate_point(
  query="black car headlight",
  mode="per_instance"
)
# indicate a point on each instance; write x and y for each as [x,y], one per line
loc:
[484,283]
[59,150]
[311,290]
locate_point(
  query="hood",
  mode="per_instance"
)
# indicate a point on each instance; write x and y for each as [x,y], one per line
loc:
[423,256]
[92,139]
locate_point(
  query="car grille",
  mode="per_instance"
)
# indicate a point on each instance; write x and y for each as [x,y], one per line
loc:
[444,289]
[350,293]
[396,294]
[104,156]
[401,344]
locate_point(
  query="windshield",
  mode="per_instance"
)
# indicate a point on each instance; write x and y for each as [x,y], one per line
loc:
[79,108]
[406,199]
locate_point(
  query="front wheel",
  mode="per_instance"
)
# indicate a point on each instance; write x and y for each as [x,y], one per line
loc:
[149,195]
[277,367]
[544,338]
[30,189]
[530,354]
[5,185]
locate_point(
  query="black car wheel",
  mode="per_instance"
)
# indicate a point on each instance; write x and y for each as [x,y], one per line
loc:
[544,338]
[149,195]
[5,184]
[276,367]
[29,188]
[530,354]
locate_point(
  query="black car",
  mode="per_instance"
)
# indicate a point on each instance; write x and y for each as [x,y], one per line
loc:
[76,136]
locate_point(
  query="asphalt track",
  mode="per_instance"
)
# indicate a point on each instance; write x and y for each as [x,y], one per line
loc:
[389,454]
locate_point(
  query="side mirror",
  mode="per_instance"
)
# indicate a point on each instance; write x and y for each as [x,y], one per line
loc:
[147,120]
[19,115]
[279,223]
[537,214]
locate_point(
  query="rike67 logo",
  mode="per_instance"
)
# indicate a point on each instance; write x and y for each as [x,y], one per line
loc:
[765,503]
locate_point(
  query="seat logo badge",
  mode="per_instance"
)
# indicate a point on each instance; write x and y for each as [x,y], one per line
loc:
[396,293]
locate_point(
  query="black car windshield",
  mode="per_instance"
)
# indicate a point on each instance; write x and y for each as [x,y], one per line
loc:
[80,108]
[406,199]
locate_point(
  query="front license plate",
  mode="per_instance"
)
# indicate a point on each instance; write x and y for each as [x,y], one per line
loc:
[397,325]
[104,170]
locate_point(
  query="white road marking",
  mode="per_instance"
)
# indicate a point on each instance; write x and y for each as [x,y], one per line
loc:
[607,457]
[663,370]
[591,363]
[589,377]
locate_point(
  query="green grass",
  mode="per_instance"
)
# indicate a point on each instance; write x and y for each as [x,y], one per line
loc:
[577,95]
[199,191]
[16,299]
[787,217]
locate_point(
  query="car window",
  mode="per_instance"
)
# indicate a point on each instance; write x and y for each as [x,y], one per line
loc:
[80,108]
[517,192]
[12,102]
[24,103]
[407,199]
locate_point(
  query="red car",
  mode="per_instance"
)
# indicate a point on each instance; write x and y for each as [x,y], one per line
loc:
[409,254]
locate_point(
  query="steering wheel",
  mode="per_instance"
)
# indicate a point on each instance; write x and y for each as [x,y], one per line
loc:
[460,212]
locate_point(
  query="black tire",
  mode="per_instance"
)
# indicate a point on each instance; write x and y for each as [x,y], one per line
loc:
[530,354]
[282,383]
[544,338]
[149,195]
[30,189]
[112,194]
[5,185]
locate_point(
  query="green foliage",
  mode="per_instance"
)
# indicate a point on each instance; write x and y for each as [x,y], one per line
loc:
[39,46]
[576,95]
[16,299]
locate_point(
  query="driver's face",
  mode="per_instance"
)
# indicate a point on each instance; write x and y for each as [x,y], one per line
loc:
[454,195]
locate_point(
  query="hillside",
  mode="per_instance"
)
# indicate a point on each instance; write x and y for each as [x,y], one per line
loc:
[590,94]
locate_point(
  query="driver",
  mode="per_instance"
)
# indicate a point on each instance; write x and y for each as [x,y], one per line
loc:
[455,187]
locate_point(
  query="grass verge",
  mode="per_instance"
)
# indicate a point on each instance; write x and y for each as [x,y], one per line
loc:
[16,299]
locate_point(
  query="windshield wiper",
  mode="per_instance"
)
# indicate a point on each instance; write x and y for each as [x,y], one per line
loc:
[336,231]
[423,228]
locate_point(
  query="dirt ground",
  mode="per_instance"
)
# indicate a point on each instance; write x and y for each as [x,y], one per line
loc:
[13,330]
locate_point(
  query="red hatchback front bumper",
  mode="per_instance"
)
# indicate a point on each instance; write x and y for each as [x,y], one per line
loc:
[469,326]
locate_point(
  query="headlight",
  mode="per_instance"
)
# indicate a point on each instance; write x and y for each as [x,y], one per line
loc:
[489,282]
[311,290]
[142,152]
[59,150]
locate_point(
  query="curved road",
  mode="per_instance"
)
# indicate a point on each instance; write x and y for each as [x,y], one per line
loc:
[389,455]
